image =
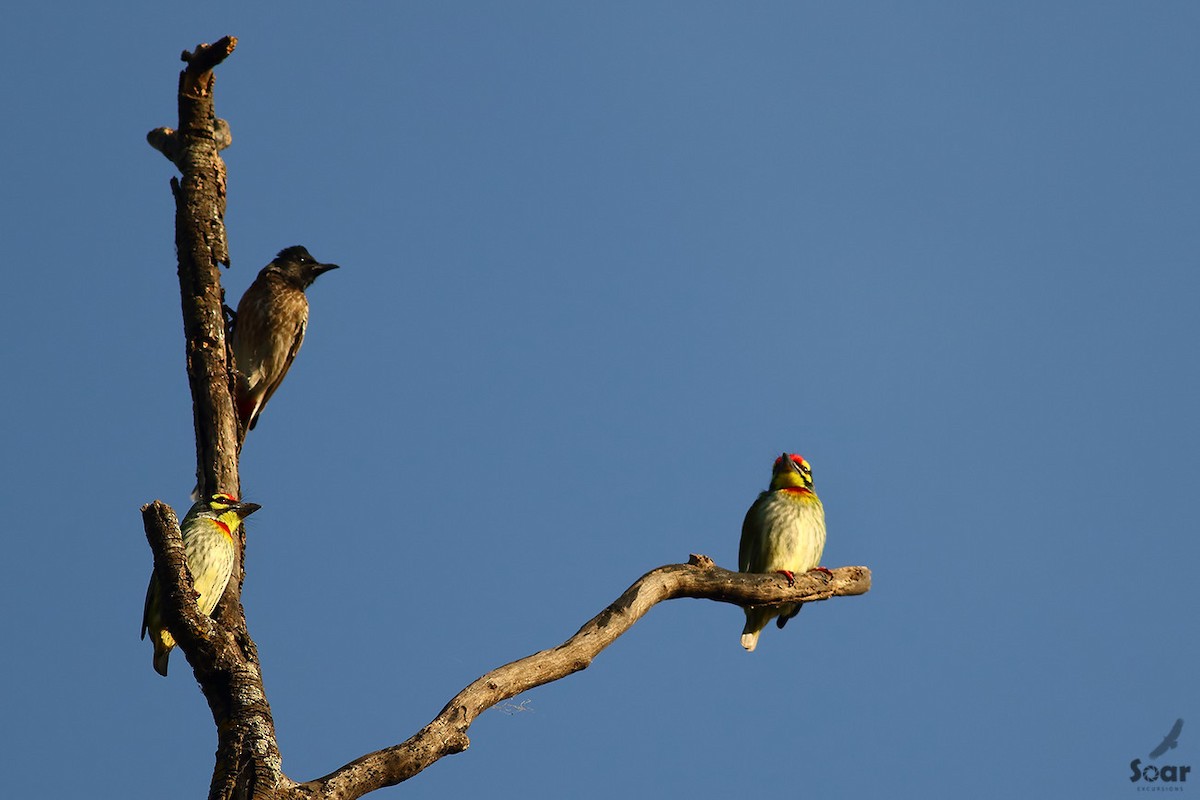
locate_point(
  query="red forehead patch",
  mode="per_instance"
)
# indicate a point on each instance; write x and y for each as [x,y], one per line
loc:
[796,457]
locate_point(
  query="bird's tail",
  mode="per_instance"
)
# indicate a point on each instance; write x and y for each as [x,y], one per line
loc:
[163,642]
[160,660]
[757,618]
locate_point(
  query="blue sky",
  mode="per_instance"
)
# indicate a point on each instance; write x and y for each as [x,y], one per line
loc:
[601,264]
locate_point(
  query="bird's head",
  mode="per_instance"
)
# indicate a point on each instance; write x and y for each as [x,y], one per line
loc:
[298,266]
[791,471]
[228,508]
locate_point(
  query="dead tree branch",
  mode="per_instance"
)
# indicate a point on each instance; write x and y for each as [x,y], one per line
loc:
[200,242]
[447,732]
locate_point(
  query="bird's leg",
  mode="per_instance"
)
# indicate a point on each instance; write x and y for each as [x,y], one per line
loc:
[787,573]
[822,569]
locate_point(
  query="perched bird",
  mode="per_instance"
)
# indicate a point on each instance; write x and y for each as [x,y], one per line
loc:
[784,531]
[269,329]
[208,531]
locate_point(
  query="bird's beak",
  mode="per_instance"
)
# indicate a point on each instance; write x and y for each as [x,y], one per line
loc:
[322,268]
[246,509]
[788,464]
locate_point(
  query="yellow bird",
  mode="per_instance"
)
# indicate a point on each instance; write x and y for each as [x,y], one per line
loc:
[784,532]
[208,531]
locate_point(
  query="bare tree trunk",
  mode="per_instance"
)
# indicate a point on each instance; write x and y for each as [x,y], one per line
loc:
[220,650]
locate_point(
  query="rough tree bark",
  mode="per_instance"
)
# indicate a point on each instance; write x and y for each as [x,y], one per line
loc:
[220,650]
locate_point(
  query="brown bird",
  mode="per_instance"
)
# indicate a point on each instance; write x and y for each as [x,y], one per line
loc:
[269,329]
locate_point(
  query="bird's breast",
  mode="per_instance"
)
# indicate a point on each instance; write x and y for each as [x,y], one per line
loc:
[784,530]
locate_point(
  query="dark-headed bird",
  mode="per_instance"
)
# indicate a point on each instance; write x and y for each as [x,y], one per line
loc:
[269,329]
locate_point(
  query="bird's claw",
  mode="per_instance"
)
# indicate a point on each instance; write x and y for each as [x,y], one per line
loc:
[828,574]
[230,319]
[787,573]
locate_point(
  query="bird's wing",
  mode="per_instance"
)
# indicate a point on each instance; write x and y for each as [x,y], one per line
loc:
[297,340]
[146,608]
[750,544]
[1162,748]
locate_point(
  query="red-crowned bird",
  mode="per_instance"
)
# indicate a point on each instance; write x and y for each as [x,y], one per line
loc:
[784,531]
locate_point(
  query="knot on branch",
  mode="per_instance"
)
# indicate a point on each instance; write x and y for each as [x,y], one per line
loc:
[166,140]
[700,560]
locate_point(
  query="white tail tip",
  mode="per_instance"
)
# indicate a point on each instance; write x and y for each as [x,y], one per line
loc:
[749,641]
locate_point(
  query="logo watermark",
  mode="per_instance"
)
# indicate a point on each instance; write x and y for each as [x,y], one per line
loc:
[1161,777]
